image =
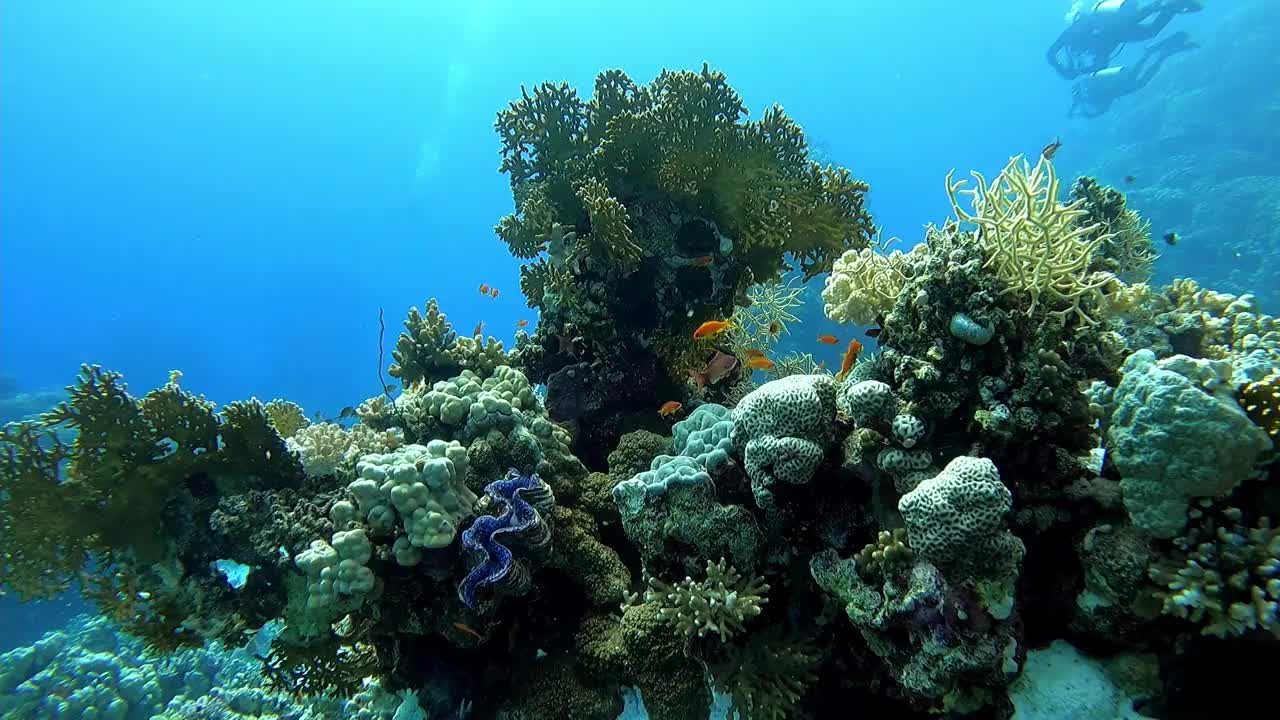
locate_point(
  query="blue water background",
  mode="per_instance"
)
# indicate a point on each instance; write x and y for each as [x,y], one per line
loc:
[235,188]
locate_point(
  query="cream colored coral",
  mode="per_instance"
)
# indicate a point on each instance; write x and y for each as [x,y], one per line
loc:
[321,448]
[864,284]
[1033,243]
[329,449]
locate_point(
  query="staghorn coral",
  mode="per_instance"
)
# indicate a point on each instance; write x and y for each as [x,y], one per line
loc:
[105,493]
[1031,241]
[1126,250]
[719,604]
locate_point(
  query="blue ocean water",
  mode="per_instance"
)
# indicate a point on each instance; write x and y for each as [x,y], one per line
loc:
[238,189]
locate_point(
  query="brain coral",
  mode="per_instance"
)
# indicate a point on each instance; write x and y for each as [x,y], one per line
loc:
[956,520]
[1172,441]
[782,429]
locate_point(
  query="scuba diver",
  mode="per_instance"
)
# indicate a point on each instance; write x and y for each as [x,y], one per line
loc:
[1093,94]
[1095,35]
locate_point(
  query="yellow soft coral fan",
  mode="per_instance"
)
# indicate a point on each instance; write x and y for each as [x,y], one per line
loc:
[1033,243]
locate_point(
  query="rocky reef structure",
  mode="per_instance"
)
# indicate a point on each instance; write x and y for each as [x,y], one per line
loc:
[1047,457]
[665,195]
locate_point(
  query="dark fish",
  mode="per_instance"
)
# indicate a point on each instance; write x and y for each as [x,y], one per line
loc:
[1129,179]
[347,412]
[874,332]
[1051,149]
[1171,238]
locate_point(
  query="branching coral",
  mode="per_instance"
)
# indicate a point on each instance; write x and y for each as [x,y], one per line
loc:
[759,322]
[683,136]
[720,604]
[1225,575]
[610,242]
[864,284]
[889,551]
[767,678]
[286,417]
[1032,242]
[1126,250]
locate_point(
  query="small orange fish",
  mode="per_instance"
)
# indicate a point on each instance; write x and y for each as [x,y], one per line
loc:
[850,357]
[753,353]
[479,329]
[828,339]
[468,630]
[493,293]
[759,363]
[710,328]
[484,289]
[775,327]
[702,261]
[1051,149]
[670,407]
[522,323]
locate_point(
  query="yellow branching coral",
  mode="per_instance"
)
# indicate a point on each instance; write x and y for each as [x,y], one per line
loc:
[864,284]
[1032,242]
[610,241]
[287,417]
[764,318]
[718,605]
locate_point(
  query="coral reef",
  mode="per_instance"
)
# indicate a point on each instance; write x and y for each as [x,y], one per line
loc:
[645,499]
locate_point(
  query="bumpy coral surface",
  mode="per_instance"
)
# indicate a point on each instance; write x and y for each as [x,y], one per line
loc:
[1172,441]
[782,430]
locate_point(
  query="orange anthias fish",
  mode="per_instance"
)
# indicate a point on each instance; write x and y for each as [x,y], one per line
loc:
[759,363]
[670,407]
[479,329]
[484,289]
[522,323]
[828,339]
[753,353]
[702,261]
[850,358]
[493,293]
[710,328]
[468,630]
[1051,149]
